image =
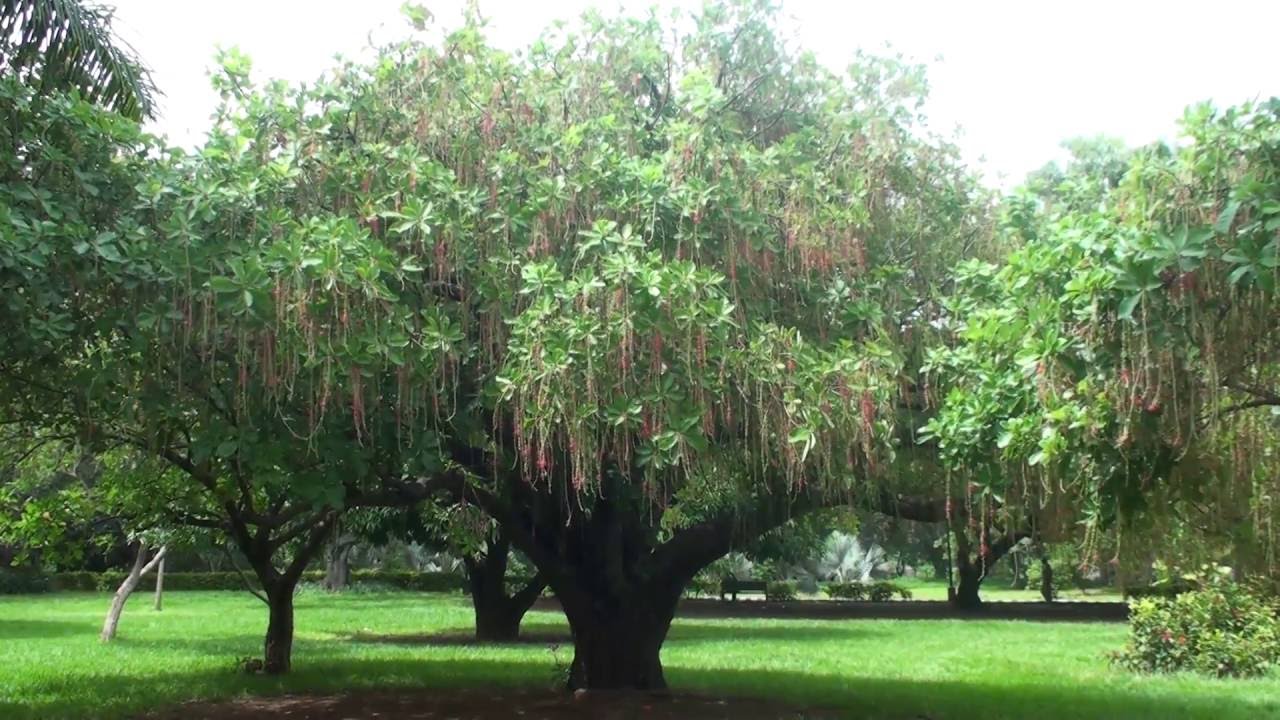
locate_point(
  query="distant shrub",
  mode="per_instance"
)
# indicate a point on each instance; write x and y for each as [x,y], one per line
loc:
[1221,630]
[875,592]
[846,591]
[703,586]
[780,590]
[23,582]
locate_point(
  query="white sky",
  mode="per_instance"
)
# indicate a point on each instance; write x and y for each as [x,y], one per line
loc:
[1017,76]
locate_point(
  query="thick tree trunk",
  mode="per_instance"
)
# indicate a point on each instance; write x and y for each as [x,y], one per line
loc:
[617,646]
[277,654]
[140,567]
[498,615]
[970,577]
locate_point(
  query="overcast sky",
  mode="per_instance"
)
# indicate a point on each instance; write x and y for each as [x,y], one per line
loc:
[1017,77]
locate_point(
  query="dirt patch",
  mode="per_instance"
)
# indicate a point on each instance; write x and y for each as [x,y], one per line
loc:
[462,638]
[480,705]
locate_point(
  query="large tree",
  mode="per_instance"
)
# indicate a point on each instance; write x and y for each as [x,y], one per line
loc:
[639,295]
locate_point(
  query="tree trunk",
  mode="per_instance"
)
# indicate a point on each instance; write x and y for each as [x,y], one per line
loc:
[160,586]
[337,569]
[1046,579]
[277,652]
[140,567]
[970,576]
[498,615]
[617,647]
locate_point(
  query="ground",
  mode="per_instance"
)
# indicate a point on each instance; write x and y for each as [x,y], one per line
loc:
[52,666]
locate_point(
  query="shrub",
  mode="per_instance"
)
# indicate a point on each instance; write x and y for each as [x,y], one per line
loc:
[882,591]
[22,582]
[846,591]
[1221,629]
[780,590]
[704,586]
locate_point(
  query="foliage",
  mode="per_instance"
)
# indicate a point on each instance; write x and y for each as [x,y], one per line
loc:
[57,45]
[1093,374]
[22,582]
[781,591]
[845,560]
[1220,630]
[876,592]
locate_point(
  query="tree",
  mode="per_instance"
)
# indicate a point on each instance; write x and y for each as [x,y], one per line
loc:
[81,366]
[640,299]
[1120,364]
[142,565]
[59,45]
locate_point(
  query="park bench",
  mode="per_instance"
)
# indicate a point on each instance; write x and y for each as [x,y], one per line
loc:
[731,586]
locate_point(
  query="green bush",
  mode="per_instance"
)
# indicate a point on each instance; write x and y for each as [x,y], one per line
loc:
[882,592]
[846,591]
[22,582]
[703,586]
[875,592]
[1221,630]
[780,590]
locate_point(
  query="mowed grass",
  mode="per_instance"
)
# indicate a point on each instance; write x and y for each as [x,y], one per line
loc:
[994,590]
[52,665]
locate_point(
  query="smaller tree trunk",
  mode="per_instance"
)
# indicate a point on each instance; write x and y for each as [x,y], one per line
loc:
[140,567]
[1019,571]
[337,570]
[160,585]
[498,615]
[1046,579]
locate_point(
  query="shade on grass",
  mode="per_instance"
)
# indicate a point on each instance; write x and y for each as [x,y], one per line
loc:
[52,666]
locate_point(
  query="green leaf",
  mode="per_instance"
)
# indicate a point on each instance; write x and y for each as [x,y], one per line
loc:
[1226,217]
[220,284]
[1129,305]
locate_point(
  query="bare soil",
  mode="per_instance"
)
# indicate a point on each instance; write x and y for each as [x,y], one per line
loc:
[480,705]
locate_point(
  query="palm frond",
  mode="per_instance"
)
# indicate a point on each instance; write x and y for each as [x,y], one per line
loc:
[65,44]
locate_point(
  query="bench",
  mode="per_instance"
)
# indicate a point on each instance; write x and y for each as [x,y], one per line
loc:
[731,586]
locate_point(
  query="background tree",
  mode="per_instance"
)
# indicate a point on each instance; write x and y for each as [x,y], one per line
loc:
[61,45]
[1087,377]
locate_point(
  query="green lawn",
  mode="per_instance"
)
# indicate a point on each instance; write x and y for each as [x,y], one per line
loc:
[52,666]
[999,591]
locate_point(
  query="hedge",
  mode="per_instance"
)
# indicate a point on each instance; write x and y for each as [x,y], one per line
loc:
[12,581]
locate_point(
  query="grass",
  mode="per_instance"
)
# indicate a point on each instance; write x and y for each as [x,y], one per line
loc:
[52,666]
[994,590]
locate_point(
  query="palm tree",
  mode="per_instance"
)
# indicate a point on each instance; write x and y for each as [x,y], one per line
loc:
[68,44]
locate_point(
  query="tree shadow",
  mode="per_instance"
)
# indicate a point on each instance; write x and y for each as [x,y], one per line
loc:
[690,632]
[26,629]
[835,696]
